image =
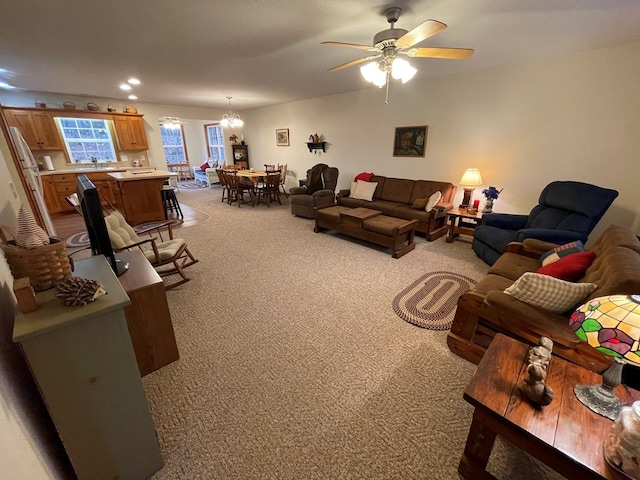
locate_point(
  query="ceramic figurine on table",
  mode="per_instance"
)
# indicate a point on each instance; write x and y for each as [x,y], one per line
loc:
[534,387]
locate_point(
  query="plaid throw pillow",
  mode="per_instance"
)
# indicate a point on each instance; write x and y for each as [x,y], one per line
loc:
[562,251]
[549,293]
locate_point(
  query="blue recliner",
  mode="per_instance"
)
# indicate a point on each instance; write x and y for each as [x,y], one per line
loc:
[567,211]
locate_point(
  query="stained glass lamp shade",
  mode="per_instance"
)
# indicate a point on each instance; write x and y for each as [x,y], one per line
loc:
[612,326]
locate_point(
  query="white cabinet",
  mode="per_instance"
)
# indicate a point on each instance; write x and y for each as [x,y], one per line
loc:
[84,365]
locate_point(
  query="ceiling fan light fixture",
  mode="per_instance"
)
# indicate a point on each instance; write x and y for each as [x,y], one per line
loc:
[171,123]
[373,74]
[402,70]
[231,119]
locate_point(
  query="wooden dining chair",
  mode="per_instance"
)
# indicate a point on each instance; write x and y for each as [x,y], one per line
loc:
[270,189]
[223,183]
[283,178]
[238,187]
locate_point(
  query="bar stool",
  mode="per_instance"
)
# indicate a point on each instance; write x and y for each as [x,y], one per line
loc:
[170,201]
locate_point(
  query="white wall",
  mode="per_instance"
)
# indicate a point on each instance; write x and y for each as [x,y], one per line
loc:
[570,118]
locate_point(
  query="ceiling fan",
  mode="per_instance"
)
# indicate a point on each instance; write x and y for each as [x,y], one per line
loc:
[391,43]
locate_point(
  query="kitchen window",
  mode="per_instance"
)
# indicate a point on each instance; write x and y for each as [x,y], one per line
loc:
[175,151]
[215,141]
[87,139]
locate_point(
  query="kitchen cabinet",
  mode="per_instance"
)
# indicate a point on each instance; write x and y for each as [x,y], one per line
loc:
[130,132]
[56,187]
[83,362]
[240,155]
[38,128]
[50,194]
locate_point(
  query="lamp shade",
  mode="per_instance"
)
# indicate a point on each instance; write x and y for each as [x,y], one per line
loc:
[471,178]
[611,325]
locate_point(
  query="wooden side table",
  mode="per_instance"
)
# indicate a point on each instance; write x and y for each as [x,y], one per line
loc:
[462,222]
[565,435]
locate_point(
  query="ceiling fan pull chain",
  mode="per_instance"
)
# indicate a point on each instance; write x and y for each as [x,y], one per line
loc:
[386,95]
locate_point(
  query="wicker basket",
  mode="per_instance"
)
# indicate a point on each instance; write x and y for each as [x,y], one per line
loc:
[45,266]
[92,107]
[69,105]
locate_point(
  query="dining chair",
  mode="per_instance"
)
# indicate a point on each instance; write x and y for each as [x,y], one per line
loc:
[223,183]
[270,189]
[238,187]
[269,167]
[283,178]
[172,253]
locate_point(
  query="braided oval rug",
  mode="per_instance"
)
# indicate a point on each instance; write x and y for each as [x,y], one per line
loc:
[430,301]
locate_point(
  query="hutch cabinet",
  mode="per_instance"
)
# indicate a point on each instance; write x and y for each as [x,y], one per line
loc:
[84,364]
[38,128]
[240,155]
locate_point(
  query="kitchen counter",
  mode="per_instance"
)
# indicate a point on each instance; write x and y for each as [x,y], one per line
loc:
[139,175]
[86,170]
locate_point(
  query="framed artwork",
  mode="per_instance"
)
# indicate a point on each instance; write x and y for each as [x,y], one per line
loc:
[282,137]
[410,141]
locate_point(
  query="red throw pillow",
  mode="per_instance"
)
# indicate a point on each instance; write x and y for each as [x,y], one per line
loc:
[364,176]
[204,166]
[569,268]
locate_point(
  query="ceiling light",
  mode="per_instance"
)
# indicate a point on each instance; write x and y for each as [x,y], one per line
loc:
[125,86]
[132,97]
[133,81]
[6,86]
[172,123]
[378,72]
[231,119]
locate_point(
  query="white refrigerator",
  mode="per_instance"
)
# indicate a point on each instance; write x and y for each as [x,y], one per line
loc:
[31,174]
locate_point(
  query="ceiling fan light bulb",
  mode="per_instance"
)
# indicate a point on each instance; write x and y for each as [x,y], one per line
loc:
[402,70]
[369,70]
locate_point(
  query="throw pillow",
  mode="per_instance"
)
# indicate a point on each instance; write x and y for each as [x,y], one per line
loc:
[364,176]
[204,166]
[433,201]
[570,268]
[549,293]
[561,251]
[420,203]
[354,187]
[365,190]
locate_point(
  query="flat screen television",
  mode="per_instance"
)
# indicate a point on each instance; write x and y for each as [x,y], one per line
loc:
[91,206]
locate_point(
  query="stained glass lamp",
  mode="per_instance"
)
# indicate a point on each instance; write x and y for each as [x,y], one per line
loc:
[611,325]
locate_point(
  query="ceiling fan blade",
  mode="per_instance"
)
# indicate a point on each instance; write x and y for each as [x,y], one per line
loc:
[421,32]
[450,53]
[351,63]
[350,45]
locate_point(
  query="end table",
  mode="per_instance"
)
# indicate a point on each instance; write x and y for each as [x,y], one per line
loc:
[462,222]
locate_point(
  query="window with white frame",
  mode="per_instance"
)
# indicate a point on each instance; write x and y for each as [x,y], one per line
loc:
[87,139]
[175,151]
[215,142]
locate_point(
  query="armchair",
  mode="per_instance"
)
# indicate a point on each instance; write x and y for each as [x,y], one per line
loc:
[319,191]
[567,211]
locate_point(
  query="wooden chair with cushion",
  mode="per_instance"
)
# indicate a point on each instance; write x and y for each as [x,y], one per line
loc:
[283,178]
[172,253]
[223,183]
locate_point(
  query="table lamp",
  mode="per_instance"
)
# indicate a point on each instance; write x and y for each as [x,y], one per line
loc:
[611,325]
[470,178]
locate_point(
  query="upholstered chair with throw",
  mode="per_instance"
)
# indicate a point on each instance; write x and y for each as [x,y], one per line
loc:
[567,211]
[318,191]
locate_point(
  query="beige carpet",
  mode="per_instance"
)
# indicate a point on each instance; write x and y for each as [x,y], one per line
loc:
[295,366]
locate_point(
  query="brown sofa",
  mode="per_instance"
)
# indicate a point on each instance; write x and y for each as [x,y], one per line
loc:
[394,197]
[486,310]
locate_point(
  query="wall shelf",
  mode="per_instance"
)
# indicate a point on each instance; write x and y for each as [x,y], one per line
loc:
[315,146]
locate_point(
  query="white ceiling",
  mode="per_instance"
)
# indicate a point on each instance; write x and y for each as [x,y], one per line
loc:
[264,52]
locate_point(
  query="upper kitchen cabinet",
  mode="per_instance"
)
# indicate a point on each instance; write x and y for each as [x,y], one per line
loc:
[38,128]
[130,132]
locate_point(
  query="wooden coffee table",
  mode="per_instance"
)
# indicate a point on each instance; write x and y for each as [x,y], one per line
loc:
[565,435]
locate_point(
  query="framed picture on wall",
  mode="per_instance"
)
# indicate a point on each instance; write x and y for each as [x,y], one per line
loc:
[410,141]
[282,137]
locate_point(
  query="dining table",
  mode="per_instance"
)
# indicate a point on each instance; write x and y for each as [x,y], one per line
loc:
[254,176]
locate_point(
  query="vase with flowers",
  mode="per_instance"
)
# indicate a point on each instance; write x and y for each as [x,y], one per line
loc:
[490,194]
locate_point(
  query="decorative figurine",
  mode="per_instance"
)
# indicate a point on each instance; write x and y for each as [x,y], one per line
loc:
[541,353]
[77,291]
[534,386]
[316,138]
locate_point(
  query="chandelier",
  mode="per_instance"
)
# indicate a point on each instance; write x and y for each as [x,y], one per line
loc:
[231,119]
